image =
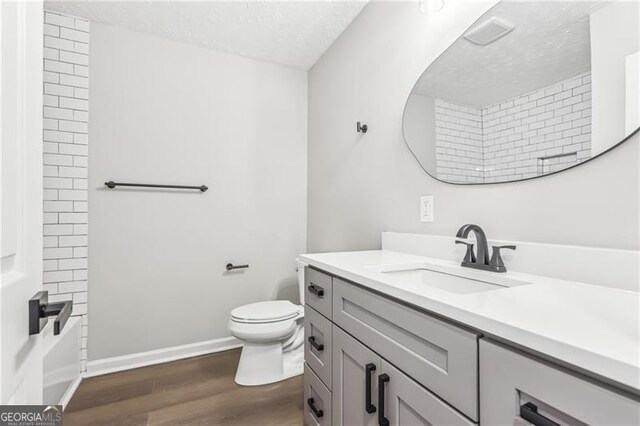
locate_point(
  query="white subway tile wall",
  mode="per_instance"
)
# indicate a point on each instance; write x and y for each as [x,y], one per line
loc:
[66,115]
[536,133]
[459,144]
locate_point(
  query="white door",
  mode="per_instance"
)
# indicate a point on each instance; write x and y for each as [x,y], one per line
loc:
[20,199]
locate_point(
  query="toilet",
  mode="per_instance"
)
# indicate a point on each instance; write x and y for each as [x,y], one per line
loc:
[273,338]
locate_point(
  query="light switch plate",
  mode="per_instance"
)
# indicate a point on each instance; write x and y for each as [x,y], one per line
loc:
[426,208]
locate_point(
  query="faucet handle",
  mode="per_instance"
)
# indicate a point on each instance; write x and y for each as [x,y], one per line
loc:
[470,256]
[496,259]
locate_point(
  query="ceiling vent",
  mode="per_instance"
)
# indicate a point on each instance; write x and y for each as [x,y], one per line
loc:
[488,32]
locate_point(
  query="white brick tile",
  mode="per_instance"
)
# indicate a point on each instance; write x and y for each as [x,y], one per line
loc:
[80,206]
[81,93]
[73,218]
[58,43]
[52,54]
[80,161]
[58,160]
[50,194]
[81,70]
[74,195]
[80,184]
[80,297]
[71,149]
[50,265]
[74,35]
[82,25]
[57,89]
[73,172]
[81,116]
[50,124]
[82,139]
[51,288]
[50,218]
[57,136]
[73,80]
[50,100]
[59,113]
[72,103]
[59,183]
[49,242]
[57,66]
[74,58]
[58,229]
[59,20]
[73,126]
[80,252]
[49,147]
[57,276]
[70,264]
[58,206]
[80,229]
[72,286]
[80,47]
[50,77]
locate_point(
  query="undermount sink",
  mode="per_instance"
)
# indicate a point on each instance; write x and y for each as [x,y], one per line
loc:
[447,278]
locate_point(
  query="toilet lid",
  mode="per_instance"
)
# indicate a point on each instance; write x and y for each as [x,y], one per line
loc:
[273,310]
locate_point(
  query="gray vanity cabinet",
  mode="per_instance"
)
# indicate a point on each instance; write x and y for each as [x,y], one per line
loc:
[408,404]
[514,385]
[440,356]
[355,370]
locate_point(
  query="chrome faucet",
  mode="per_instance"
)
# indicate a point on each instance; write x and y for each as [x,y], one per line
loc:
[481,260]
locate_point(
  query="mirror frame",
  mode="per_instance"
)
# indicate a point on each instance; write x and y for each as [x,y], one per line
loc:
[404,137]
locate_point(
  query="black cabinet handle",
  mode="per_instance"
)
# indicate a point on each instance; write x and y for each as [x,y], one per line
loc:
[317,290]
[318,346]
[368,406]
[529,412]
[316,412]
[382,380]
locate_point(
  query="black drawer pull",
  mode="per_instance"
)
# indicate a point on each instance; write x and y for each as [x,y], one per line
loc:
[316,412]
[382,380]
[318,346]
[529,412]
[368,406]
[317,290]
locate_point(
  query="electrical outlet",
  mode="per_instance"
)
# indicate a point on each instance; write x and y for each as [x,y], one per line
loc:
[426,208]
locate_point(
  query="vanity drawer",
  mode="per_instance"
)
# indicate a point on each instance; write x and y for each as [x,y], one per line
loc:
[509,380]
[318,344]
[438,355]
[317,291]
[317,400]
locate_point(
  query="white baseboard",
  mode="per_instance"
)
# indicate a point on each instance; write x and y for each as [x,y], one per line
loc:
[66,397]
[158,356]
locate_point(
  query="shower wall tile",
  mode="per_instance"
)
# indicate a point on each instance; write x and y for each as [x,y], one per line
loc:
[539,132]
[65,206]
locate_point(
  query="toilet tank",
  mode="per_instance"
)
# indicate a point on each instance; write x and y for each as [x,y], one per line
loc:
[300,268]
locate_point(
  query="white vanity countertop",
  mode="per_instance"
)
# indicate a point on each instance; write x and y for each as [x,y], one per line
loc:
[591,327]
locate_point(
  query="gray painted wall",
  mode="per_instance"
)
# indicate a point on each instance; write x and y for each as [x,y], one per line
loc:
[360,185]
[168,112]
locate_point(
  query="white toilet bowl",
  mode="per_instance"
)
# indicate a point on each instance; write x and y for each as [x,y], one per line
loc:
[273,339]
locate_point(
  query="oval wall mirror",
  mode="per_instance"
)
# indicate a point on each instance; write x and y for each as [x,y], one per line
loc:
[530,89]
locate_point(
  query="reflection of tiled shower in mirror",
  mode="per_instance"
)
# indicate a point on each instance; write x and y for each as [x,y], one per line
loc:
[530,89]
[536,133]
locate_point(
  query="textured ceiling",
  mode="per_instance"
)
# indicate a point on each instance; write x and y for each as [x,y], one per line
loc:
[288,33]
[550,43]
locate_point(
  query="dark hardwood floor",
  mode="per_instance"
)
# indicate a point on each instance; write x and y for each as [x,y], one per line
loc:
[195,391]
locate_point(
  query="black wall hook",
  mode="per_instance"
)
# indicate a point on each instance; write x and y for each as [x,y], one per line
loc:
[362,127]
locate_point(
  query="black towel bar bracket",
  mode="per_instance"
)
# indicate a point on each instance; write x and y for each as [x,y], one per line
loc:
[231,266]
[111,184]
[40,310]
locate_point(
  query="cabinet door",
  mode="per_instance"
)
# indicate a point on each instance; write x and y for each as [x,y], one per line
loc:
[404,402]
[515,387]
[355,389]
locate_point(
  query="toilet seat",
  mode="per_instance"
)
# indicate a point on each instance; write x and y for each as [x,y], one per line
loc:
[265,312]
